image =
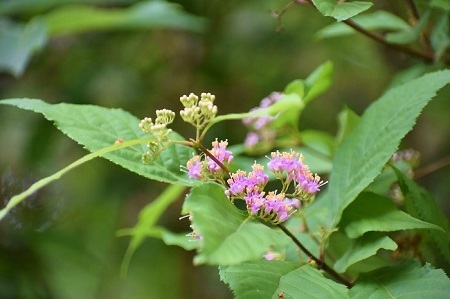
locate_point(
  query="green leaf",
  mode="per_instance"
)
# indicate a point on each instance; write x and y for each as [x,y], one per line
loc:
[287,109]
[148,216]
[443,4]
[147,14]
[341,10]
[97,127]
[363,154]
[404,280]
[319,141]
[379,20]
[297,87]
[440,36]
[229,236]
[411,34]
[272,279]
[181,240]
[18,43]
[419,203]
[372,212]
[363,248]
[318,81]
[347,121]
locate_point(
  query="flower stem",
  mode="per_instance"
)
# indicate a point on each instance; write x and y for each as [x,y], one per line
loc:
[321,264]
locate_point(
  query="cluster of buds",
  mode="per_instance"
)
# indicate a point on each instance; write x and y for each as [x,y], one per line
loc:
[259,127]
[275,207]
[204,167]
[159,130]
[198,113]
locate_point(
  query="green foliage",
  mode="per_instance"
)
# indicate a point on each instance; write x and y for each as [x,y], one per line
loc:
[362,155]
[419,203]
[341,10]
[372,212]
[378,20]
[96,128]
[275,279]
[18,42]
[406,279]
[229,235]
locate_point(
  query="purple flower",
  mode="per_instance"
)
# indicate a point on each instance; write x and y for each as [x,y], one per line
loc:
[254,200]
[238,184]
[257,178]
[194,167]
[220,152]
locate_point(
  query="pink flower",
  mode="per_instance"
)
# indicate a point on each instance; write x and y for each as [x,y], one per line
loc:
[220,152]
[194,167]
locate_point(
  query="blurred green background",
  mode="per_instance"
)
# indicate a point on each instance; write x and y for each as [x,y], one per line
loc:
[61,242]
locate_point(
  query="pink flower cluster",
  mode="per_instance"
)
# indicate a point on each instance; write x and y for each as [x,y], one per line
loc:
[275,207]
[198,168]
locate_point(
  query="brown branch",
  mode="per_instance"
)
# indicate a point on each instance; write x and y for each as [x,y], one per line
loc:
[321,264]
[421,172]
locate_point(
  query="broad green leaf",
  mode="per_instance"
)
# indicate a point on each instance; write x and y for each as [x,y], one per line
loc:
[18,43]
[341,10]
[229,236]
[277,279]
[318,81]
[363,248]
[147,14]
[347,121]
[404,280]
[419,203]
[379,20]
[148,216]
[363,154]
[97,127]
[372,212]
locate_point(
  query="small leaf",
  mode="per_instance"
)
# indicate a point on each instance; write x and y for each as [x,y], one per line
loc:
[318,81]
[363,154]
[273,279]
[228,235]
[297,87]
[403,280]
[373,212]
[97,127]
[18,43]
[363,248]
[440,36]
[341,10]
[419,203]
[410,34]
[347,121]
[379,20]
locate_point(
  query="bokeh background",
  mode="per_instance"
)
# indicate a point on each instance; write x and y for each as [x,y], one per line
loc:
[61,242]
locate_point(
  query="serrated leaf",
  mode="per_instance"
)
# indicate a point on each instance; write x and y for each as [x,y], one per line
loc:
[373,212]
[419,203]
[341,10]
[363,248]
[363,154]
[97,127]
[379,20]
[272,279]
[18,42]
[404,280]
[228,235]
[147,14]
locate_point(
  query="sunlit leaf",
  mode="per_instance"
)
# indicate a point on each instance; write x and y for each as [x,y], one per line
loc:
[341,10]
[277,279]
[362,155]
[228,235]
[404,280]
[97,127]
